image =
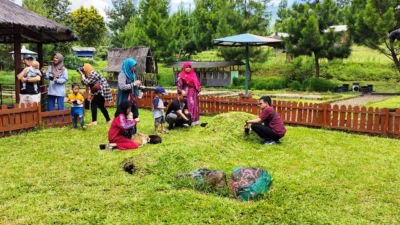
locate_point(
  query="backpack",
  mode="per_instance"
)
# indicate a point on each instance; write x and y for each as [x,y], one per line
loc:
[249,183]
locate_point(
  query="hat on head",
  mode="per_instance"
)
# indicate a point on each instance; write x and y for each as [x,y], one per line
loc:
[28,57]
[160,90]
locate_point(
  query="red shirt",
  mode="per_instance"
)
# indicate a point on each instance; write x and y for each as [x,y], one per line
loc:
[276,123]
[119,126]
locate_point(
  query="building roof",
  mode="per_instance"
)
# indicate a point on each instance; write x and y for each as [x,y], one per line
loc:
[33,27]
[141,54]
[83,49]
[211,64]
[278,35]
[337,28]
[25,51]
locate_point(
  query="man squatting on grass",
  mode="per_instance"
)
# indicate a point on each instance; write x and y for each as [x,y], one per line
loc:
[273,128]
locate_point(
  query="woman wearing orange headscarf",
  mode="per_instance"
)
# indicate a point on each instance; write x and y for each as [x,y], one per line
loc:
[100,90]
[187,81]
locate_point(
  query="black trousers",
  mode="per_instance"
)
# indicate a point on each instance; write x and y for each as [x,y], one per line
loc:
[98,102]
[265,132]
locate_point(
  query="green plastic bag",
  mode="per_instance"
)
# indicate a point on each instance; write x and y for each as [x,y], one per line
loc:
[249,183]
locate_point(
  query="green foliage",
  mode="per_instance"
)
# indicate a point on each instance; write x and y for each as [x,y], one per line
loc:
[299,69]
[310,33]
[89,25]
[118,16]
[318,85]
[295,86]
[73,62]
[371,21]
[150,28]
[36,6]
[57,10]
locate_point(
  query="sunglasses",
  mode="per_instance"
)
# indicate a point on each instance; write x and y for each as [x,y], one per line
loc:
[260,104]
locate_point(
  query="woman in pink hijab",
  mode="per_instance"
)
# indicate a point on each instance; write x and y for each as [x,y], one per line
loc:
[187,81]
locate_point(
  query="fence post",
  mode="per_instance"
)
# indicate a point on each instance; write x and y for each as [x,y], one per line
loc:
[325,115]
[39,111]
[214,105]
[385,125]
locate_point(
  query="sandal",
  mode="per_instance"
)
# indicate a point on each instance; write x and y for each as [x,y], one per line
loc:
[92,124]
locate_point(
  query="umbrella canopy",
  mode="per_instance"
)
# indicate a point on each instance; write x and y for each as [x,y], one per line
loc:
[246,40]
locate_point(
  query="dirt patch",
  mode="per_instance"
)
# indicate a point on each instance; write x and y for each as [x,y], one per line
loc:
[361,100]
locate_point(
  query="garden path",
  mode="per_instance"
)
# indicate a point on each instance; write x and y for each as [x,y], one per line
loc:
[362,100]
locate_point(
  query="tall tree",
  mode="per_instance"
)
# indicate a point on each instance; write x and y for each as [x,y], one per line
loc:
[58,10]
[89,25]
[118,16]
[36,6]
[310,33]
[149,29]
[372,21]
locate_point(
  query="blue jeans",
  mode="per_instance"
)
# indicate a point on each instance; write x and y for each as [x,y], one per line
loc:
[75,121]
[51,101]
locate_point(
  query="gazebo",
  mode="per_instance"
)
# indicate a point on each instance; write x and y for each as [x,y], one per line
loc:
[19,25]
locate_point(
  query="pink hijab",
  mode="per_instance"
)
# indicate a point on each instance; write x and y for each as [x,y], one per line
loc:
[190,77]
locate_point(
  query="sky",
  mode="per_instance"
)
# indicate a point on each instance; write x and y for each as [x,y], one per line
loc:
[100,5]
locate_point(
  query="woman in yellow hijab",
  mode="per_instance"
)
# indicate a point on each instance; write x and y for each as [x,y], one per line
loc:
[100,90]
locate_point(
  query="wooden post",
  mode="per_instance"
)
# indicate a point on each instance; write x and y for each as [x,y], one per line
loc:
[39,49]
[385,125]
[325,115]
[17,59]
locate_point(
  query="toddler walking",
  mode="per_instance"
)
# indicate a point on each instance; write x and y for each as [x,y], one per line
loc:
[77,100]
[158,110]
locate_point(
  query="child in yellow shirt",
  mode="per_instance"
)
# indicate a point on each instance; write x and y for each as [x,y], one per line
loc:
[77,100]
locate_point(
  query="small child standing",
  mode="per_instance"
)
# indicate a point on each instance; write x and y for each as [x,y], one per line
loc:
[158,110]
[77,100]
[32,71]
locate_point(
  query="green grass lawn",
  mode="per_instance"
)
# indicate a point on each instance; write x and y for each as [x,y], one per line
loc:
[393,102]
[59,176]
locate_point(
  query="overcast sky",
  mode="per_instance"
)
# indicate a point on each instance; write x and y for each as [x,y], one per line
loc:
[100,5]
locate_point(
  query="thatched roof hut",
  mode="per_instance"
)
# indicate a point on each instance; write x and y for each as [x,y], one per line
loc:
[141,54]
[33,27]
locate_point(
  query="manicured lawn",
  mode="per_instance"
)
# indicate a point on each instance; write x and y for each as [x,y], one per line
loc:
[319,177]
[388,103]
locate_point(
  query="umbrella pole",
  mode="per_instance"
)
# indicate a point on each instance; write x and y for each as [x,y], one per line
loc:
[247,70]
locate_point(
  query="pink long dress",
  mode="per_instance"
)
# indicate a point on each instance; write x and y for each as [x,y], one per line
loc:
[189,83]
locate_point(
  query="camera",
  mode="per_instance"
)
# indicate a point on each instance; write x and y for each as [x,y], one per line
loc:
[80,69]
[75,102]
[247,130]
[51,77]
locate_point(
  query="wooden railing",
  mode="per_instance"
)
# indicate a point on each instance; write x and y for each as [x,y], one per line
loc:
[17,119]
[375,121]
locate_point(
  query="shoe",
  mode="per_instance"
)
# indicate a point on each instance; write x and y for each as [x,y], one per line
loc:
[186,125]
[102,146]
[203,124]
[165,132]
[109,147]
[84,127]
[269,143]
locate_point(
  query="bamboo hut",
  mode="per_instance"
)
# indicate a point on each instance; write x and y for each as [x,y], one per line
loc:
[145,63]
[19,25]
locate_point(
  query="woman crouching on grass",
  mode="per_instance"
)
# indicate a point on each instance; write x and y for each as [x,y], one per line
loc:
[122,128]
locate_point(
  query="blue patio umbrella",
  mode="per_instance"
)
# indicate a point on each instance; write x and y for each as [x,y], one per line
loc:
[246,40]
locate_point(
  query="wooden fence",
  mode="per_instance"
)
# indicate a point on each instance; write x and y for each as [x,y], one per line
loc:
[17,119]
[375,121]
[357,119]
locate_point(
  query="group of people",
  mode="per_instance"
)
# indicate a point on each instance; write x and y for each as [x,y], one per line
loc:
[183,111]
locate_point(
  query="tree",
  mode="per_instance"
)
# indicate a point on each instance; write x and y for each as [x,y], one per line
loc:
[36,6]
[58,10]
[310,33]
[149,29]
[89,25]
[371,22]
[184,41]
[118,17]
